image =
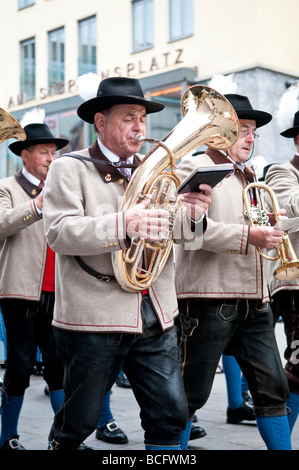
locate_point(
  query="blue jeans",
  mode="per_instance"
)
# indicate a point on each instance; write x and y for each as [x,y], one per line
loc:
[92,363]
[246,326]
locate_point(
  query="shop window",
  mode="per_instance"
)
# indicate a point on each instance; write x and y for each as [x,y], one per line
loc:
[14,162]
[67,125]
[160,124]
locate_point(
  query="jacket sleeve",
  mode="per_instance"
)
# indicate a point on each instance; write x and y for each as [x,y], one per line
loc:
[69,229]
[15,216]
[285,183]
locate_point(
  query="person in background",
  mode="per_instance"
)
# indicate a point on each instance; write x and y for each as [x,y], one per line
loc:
[223,294]
[107,428]
[27,279]
[283,179]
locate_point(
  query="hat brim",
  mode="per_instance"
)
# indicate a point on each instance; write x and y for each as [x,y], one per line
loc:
[87,110]
[18,146]
[260,117]
[291,132]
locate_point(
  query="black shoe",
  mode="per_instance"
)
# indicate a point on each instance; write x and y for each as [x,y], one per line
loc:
[196,432]
[247,398]
[54,446]
[111,433]
[122,381]
[84,446]
[243,413]
[12,443]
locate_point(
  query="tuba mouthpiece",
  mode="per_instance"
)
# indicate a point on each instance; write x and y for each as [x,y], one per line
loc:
[139,138]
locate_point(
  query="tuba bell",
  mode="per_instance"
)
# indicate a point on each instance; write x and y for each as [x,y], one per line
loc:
[9,127]
[208,118]
[258,215]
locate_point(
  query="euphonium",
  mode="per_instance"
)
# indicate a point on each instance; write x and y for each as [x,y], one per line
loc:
[9,127]
[208,119]
[258,215]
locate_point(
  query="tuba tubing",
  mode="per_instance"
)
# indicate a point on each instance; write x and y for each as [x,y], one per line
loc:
[208,118]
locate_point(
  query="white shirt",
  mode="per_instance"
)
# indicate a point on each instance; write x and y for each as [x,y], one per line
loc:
[30,177]
[112,157]
[34,181]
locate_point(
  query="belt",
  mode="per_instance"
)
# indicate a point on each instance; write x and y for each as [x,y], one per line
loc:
[92,272]
[99,276]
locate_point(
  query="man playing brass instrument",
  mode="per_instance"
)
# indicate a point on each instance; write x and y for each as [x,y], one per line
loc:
[101,328]
[223,296]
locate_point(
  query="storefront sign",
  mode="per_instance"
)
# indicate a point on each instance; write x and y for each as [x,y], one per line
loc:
[131,69]
[154,64]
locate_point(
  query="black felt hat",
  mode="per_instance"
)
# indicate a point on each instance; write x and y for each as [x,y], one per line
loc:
[116,90]
[37,134]
[292,131]
[244,110]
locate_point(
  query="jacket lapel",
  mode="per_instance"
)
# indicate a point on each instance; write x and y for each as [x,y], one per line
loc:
[30,188]
[108,173]
[295,162]
[218,158]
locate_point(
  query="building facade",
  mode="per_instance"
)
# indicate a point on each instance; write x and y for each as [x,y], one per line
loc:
[167,44]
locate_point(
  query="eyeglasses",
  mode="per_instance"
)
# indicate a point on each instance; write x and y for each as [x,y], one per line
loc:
[246,132]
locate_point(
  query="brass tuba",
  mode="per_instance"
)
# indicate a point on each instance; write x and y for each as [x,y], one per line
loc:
[258,215]
[208,119]
[9,127]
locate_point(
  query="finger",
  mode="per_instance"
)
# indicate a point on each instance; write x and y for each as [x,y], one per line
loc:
[145,203]
[158,214]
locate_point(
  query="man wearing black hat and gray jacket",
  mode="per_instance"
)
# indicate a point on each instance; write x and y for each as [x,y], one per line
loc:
[284,180]
[223,295]
[100,327]
[27,279]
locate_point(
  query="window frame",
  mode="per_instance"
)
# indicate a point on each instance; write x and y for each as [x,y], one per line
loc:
[178,9]
[143,17]
[85,66]
[56,66]
[28,66]
[25,3]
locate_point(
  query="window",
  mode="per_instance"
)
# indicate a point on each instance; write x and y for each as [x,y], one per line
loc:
[67,125]
[27,85]
[180,19]
[143,24]
[87,46]
[25,3]
[56,59]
